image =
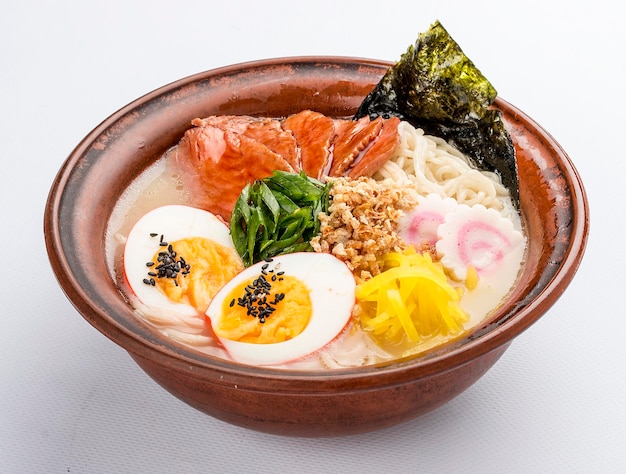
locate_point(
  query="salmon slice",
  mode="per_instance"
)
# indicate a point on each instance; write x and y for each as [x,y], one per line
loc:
[352,137]
[380,150]
[221,154]
[234,123]
[313,133]
[281,142]
[266,130]
[216,165]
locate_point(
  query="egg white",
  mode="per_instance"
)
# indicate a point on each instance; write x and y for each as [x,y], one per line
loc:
[332,288]
[174,222]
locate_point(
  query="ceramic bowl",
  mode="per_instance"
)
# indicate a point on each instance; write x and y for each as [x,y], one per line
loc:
[331,403]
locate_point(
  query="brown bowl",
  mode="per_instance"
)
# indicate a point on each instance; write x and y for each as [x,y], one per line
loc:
[553,203]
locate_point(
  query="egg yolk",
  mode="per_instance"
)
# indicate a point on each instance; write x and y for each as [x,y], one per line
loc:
[194,269]
[279,311]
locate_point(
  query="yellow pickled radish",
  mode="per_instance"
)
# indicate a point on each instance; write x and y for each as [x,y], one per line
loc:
[411,299]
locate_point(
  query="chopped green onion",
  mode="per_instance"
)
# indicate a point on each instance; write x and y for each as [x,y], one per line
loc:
[278,214]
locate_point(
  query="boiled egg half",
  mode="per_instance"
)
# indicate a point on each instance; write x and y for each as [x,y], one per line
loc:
[283,309]
[176,259]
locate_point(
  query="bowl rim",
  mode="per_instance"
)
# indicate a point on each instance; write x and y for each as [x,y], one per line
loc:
[464,353]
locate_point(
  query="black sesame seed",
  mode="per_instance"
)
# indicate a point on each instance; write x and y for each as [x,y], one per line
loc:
[257,298]
[170,265]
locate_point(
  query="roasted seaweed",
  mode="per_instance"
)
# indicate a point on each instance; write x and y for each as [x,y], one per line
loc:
[436,87]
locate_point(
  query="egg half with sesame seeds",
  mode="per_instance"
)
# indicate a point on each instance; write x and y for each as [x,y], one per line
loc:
[176,258]
[283,309]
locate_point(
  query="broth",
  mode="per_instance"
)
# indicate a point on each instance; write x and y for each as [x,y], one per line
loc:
[161,184]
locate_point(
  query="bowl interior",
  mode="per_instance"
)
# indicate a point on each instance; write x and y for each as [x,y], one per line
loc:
[97,172]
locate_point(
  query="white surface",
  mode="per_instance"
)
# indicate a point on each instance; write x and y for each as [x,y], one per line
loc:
[72,401]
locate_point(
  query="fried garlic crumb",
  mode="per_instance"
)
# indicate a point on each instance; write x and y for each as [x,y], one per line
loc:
[362,222]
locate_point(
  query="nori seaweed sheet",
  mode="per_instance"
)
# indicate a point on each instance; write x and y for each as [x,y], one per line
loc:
[436,87]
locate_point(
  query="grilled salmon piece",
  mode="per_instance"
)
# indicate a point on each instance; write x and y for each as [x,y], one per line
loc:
[221,154]
[314,133]
[216,165]
[379,151]
[265,130]
[352,137]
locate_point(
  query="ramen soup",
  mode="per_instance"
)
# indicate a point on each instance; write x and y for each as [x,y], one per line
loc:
[311,242]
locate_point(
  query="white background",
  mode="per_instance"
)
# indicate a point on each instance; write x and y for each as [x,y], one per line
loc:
[72,401]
